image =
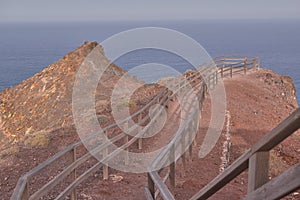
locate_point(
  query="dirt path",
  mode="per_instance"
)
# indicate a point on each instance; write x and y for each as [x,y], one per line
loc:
[256,106]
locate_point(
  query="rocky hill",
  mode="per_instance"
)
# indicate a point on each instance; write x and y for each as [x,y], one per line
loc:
[42,103]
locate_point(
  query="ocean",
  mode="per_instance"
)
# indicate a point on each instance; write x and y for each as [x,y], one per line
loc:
[27,48]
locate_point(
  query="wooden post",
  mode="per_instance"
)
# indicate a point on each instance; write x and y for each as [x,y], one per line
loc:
[126,141]
[140,140]
[245,66]
[258,170]
[207,80]
[25,195]
[151,186]
[222,71]
[194,129]
[230,71]
[73,174]
[172,166]
[190,142]
[105,153]
[217,77]
[183,154]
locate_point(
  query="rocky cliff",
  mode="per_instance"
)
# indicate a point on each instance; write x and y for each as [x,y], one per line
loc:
[43,102]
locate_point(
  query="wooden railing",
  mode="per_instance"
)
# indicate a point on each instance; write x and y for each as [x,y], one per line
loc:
[70,153]
[256,161]
[73,156]
[181,142]
[256,158]
[231,65]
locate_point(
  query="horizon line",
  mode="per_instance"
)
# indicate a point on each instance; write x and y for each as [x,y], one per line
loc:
[148,20]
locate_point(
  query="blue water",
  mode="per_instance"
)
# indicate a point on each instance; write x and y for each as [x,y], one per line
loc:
[27,48]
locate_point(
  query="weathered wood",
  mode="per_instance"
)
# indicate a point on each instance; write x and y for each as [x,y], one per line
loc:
[140,140]
[151,185]
[245,66]
[279,186]
[78,180]
[230,72]
[164,191]
[183,148]
[25,195]
[73,174]
[105,153]
[233,59]
[258,170]
[172,166]
[190,142]
[222,71]
[20,189]
[148,194]
[126,159]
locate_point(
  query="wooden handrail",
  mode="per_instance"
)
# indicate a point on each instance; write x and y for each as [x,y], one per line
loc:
[210,75]
[21,187]
[279,186]
[175,143]
[269,141]
[256,157]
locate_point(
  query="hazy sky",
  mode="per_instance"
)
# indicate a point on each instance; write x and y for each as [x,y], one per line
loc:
[85,10]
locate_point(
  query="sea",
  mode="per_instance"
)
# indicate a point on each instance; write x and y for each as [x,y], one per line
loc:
[27,48]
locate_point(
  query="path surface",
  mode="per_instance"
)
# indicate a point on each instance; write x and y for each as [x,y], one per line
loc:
[256,106]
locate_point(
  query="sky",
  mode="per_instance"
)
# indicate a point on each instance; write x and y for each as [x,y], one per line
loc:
[106,10]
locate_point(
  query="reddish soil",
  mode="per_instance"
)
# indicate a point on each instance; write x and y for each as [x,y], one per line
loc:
[255,105]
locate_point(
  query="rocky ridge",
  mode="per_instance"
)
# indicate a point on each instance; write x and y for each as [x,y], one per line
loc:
[43,103]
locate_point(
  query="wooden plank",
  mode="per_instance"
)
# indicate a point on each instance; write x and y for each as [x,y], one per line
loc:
[20,188]
[140,141]
[148,194]
[81,178]
[222,179]
[279,186]
[226,59]
[164,191]
[151,185]
[73,174]
[190,142]
[222,71]
[258,170]
[50,160]
[172,166]
[183,148]
[25,195]
[105,153]
[126,159]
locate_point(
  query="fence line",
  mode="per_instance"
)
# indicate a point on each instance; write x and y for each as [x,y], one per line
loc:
[256,158]
[210,75]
